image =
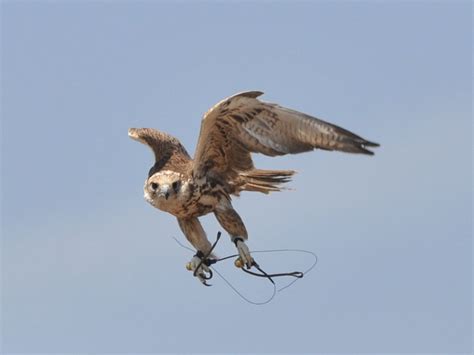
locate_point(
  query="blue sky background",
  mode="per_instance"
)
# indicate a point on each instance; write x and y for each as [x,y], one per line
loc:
[89,266]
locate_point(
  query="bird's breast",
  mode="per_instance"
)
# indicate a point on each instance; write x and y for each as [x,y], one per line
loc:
[193,200]
[201,201]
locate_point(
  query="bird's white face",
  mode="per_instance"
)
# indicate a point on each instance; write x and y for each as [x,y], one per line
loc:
[163,190]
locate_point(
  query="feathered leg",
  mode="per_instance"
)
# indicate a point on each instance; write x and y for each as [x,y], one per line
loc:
[192,229]
[230,220]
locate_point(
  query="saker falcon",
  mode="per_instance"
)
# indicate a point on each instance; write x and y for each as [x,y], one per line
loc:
[222,166]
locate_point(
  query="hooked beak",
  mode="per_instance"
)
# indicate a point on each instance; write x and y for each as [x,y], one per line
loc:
[164,191]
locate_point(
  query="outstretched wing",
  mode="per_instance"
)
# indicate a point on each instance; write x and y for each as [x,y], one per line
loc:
[169,152]
[242,124]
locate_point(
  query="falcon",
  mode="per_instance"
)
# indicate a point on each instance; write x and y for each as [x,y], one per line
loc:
[222,166]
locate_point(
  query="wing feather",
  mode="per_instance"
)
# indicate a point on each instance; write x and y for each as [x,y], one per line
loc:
[242,124]
[168,151]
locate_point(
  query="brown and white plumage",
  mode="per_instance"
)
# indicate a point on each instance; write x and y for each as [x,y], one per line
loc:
[242,124]
[169,152]
[222,166]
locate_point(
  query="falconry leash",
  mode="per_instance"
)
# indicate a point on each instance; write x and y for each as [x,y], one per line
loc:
[206,260]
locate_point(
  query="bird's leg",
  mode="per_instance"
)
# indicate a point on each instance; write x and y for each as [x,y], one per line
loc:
[244,252]
[194,232]
[230,220]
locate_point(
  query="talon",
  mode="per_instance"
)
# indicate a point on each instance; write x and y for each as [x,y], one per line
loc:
[189,266]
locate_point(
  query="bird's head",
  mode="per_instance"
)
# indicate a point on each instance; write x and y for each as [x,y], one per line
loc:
[163,188]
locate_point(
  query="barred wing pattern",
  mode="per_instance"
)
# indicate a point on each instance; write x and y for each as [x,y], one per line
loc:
[241,124]
[169,152]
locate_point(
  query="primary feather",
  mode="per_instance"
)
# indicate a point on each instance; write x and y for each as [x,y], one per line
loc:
[242,124]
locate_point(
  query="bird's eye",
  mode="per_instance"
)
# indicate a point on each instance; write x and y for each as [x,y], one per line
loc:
[175,186]
[154,185]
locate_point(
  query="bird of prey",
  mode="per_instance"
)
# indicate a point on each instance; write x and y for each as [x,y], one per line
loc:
[222,166]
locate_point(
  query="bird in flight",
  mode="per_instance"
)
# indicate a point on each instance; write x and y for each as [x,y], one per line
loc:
[222,166]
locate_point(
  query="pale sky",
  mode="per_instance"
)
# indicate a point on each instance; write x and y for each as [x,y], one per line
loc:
[89,267]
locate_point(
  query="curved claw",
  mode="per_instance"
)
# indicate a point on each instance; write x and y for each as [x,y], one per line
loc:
[204,278]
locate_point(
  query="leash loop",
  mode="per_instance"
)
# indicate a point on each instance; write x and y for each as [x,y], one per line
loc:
[204,259]
[209,261]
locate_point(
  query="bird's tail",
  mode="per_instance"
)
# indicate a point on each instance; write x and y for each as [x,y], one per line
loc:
[264,181]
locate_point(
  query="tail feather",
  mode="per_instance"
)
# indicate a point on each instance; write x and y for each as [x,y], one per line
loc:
[264,181]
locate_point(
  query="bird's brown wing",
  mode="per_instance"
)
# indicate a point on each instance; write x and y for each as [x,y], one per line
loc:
[169,152]
[242,124]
